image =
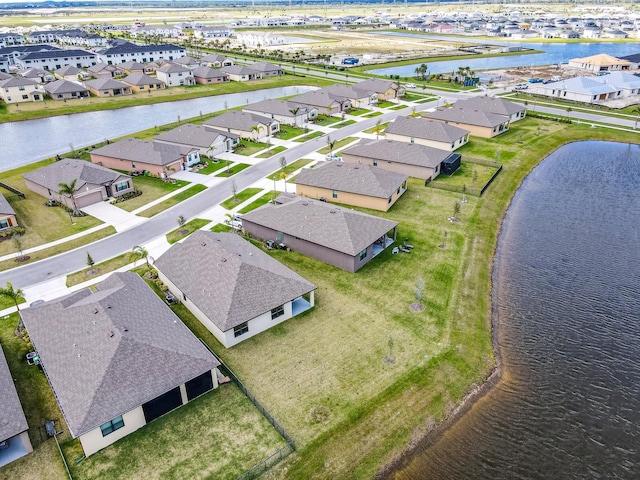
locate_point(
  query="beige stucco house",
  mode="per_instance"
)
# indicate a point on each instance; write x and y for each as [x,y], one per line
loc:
[426,132]
[7,214]
[117,358]
[247,125]
[234,288]
[20,89]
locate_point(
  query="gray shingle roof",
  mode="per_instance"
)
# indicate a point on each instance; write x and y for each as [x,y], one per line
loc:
[238,120]
[173,68]
[340,229]
[68,70]
[468,116]
[143,151]
[12,419]
[352,178]
[67,169]
[193,135]
[131,65]
[108,352]
[208,72]
[64,86]
[318,98]
[5,209]
[128,47]
[270,106]
[491,104]
[17,82]
[239,70]
[378,85]
[213,58]
[265,67]
[349,91]
[139,78]
[236,281]
[399,152]
[56,54]
[106,84]
[426,129]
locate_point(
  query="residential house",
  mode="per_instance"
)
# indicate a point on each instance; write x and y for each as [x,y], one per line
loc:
[580,89]
[80,38]
[174,75]
[13,53]
[267,69]
[135,155]
[342,237]
[410,159]
[20,89]
[164,31]
[498,105]
[239,73]
[68,72]
[136,67]
[108,87]
[7,215]
[352,184]
[478,122]
[216,61]
[127,51]
[628,84]
[38,74]
[141,82]
[10,39]
[386,89]
[216,31]
[252,38]
[187,61]
[426,132]
[93,182]
[234,288]
[324,102]
[208,141]
[284,111]
[4,65]
[14,438]
[102,70]
[64,90]
[117,358]
[358,97]
[207,75]
[600,63]
[247,125]
[55,59]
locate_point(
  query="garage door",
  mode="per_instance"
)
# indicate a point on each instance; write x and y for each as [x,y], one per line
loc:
[89,198]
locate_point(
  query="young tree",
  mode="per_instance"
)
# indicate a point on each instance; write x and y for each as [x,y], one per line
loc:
[234,191]
[330,144]
[69,190]
[419,290]
[17,241]
[464,193]
[90,261]
[181,221]
[139,252]
[12,294]
[444,240]
[456,210]
[283,173]
[474,176]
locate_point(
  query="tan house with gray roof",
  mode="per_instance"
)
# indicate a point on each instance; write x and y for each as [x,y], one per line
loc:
[108,87]
[386,89]
[19,89]
[247,125]
[283,111]
[133,155]
[479,122]
[141,82]
[14,438]
[234,288]
[117,358]
[240,73]
[409,159]
[351,184]
[66,90]
[208,141]
[338,236]
[93,182]
[426,132]
[496,105]
[7,214]
[207,75]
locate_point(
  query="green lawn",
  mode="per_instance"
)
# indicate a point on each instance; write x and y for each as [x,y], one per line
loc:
[343,124]
[287,132]
[7,302]
[152,188]
[220,227]
[263,200]
[272,151]
[385,104]
[290,168]
[358,111]
[398,107]
[171,201]
[248,148]
[229,172]
[373,114]
[187,229]
[339,143]
[373,129]
[325,121]
[99,269]
[309,136]
[464,176]
[231,202]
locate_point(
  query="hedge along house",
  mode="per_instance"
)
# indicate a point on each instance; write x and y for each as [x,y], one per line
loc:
[14,439]
[352,184]
[338,236]
[93,182]
[234,289]
[157,158]
[409,159]
[117,359]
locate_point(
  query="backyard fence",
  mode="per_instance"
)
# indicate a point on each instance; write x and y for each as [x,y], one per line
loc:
[284,452]
[470,190]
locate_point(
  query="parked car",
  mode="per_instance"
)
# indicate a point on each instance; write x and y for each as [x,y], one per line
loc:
[409,85]
[332,157]
[521,86]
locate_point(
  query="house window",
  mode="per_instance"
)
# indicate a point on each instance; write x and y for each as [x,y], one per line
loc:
[240,329]
[335,194]
[389,199]
[25,97]
[413,140]
[4,223]
[277,312]
[111,426]
[21,89]
[363,253]
[122,186]
[375,163]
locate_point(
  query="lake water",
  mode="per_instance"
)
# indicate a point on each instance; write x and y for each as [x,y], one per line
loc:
[567,301]
[32,140]
[554,53]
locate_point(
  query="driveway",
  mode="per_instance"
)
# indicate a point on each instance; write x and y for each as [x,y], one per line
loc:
[113,215]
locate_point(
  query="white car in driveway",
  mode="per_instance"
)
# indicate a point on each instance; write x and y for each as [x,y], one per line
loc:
[333,157]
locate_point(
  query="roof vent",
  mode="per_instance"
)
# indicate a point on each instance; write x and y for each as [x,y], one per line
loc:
[332,211]
[204,244]
[109,306]
[305,203]
[111,334]
[95,310]
[125,328]
[224,260]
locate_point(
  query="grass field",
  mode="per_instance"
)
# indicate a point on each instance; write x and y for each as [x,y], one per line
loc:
[258,202]
[152,188]
[287,132]
[248,148]
[231,202]
[172,201]
[99,269]
[309,136]
[272,151]
[229,172]
[187,229]
[338,144]
[290,168]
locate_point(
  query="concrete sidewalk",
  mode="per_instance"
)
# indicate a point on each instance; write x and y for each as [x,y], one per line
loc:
[112,215]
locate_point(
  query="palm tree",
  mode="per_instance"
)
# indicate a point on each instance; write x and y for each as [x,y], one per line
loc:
[68,190]
[141,253]
[11,293]
[421,71]
[283,174]
[637,112]
[294,112]
[256,129]
[378,128]
[330,144]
